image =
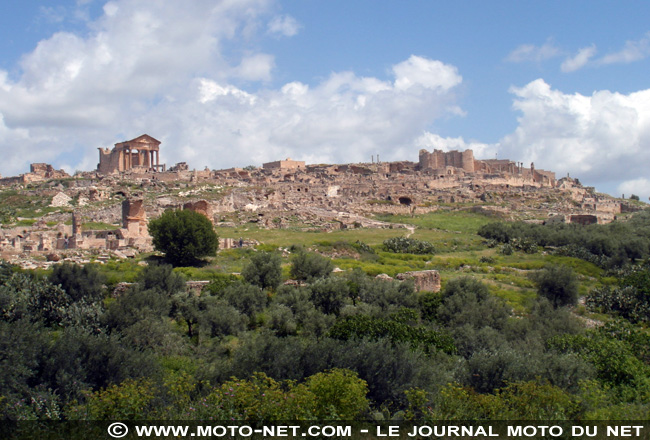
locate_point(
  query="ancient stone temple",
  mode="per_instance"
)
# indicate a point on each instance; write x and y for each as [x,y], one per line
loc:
[139,154]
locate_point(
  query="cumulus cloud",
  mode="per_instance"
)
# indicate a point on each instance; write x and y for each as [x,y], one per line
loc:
[579,60]
[256,67]
[283,25]
[431,74]
[344,118]
[633,51]
[530,52]
[600,138]
[639,187]
[159,68]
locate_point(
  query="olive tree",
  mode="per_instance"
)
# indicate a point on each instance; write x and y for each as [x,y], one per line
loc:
[183,236]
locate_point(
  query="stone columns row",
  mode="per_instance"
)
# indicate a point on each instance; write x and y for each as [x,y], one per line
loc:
[149,159]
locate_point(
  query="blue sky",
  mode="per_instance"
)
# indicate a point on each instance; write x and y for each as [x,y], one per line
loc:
[233,83]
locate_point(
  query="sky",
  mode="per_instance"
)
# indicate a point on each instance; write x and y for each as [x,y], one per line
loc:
[225,83]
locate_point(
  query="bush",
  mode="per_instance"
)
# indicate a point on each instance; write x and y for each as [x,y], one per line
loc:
[246,298]
[264,270]
[329,295]
[183,236]
[339,394]
[364,326]
[406,245]
[307,266]
[558,284]
[631,300]
[466,301]
[80,282]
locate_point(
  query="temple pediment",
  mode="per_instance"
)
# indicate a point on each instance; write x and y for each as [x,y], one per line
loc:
[145,138]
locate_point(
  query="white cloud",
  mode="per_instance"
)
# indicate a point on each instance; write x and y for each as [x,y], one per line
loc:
[255,67]
[431,74]
[633,51]
[82,92]
[159,68]
[345,118]
[579,60]
[530,52]
[639,187]
[284,25]
[600,138]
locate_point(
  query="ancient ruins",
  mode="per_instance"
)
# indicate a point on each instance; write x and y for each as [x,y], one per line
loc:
[139,154]
[130,186]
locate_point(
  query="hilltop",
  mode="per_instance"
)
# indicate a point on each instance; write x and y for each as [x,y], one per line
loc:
[47,211]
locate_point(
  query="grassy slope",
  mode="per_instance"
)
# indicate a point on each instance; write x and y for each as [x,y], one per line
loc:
[458,253]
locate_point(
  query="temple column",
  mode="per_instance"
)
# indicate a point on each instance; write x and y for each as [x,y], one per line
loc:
[157,159]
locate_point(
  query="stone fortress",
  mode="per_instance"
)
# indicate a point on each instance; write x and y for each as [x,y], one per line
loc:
[130,186]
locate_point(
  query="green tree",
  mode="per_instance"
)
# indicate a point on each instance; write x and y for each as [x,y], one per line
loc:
[80,282]
[184,236]
[558,284]
[248,299]
[307,266]
[329,294]
[340,393]
[264,270]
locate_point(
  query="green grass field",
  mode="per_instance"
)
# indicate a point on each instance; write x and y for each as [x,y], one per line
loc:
[459,252]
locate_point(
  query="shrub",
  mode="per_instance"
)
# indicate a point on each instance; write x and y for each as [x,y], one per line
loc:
[631,300]
[183,236]
[307,266]
[364,326]
[339,394]
[405,245]
[329,294]
[466,301]
[264,270]
[246,298]
[558,284]
[80,282]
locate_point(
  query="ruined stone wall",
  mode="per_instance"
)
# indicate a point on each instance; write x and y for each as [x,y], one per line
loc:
[134,218]
[202,207]
[424,280]
[287,164]
[109,161]
[439,159]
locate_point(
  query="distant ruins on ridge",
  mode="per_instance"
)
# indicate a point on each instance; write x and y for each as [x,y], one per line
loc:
[131,186]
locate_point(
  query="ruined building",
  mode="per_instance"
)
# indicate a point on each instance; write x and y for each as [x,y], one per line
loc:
[445,163]
[38,172]
[140,154]
[439,160]
[287,164]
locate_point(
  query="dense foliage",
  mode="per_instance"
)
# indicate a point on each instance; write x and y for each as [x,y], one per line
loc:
[408,245]
[334,346]
[558,284]
[184,236]
[630,299]
[264,270]
[609,245]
